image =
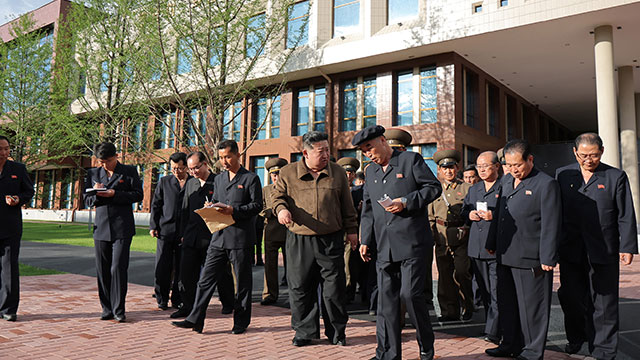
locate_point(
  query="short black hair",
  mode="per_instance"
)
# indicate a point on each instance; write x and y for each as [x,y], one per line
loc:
[104,150]
[177,157]
[232,144]
[199,154]
[2,137]
[470,167]
[313,137]
[359,175]
[519,146]
[589,138]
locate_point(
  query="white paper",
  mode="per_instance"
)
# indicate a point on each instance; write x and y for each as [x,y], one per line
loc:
[385,201]
[482,206]
[93,190]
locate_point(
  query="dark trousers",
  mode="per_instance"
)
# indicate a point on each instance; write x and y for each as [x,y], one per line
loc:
[485,271]
[190,266]
[9,276]
[271,287]
[402,280]
[310,260]
[112,264]
[167,272]
[589,298]
[215,265]
[372,281]
[524,303]
[454,280]
[428,279]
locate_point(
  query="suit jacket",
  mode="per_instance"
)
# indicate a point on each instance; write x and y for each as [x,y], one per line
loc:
[529,222]
[114,215]
[480,230]
[193,229]
[356,195]
[166,207]
[14,180]
[598,217]
[273,230]
[244,193]
[406,234]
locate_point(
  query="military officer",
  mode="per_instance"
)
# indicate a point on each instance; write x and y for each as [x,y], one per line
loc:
[398,139]
[505,168]
[451,237]
[275,234]
[599,232]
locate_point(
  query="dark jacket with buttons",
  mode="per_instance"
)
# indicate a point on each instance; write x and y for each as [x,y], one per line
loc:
[598,217]
[14,181]
[244,193]
[114,215]
[406,234]
[529,222]
[193,229]
[165,207]
[479,230]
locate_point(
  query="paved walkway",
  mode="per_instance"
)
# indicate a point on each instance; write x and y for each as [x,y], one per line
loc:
[59,319]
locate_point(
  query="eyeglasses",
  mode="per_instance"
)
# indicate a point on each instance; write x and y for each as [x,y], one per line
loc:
[196,167]
[584,157]
[485,166]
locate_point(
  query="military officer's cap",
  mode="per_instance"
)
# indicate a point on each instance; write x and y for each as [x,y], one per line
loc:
[366,134]
[398,138]
[500,153]
[447,157]
[349,164]
[275,164]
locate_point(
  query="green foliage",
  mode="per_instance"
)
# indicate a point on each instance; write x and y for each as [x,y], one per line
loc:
[28,270]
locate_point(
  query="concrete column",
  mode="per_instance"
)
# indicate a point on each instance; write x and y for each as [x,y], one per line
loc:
[637,113]
[606,94]
[628,134]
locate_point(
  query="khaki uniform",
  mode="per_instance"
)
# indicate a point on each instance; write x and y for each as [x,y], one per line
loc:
[451,239]
[275,235]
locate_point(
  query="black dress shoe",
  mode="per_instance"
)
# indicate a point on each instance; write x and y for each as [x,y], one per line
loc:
[467,315]
[120,318]
[426,356]
[372,312]
[572,348]
[520,357]
[182,312]
[238,330]
[10,317]
[163,306]
[268,301]
[499,352]
[186,324]
[226,310]
[300,342]
[492,339]
[447,319]
[340,342]
[106,316]
[283,282]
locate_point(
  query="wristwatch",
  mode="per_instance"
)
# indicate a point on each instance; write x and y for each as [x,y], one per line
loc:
[404,201]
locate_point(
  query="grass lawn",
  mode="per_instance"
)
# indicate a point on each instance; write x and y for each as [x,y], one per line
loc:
[80,235]
[27,270]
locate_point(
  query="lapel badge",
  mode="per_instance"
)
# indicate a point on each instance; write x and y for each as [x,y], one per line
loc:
[497,196]
[121,181]
[240,186]
[601,186]
[14,176]
[399,176]
[527,192]
[210,192]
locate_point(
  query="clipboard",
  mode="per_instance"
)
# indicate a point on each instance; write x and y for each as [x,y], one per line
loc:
[94,190]
[214,219]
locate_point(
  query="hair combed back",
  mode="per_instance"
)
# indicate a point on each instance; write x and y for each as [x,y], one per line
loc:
[313,137]
[518,146]
[589,138]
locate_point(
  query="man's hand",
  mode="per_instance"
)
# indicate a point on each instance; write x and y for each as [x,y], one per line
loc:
[284,217]
[223,208]
[364,253]
[153,233]
[181,240]
[626,258]
[12,200]
[107,193]
[486,215]
[474,216]
[546,267]
[395,207]
[353,240]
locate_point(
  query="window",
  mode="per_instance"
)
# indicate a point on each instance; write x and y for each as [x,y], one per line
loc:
[370,106]
[470,155]
[471,92]
[195,126]
[233,121]
[359,103]
[346,17]
[49,189]
[67,189]
[257,163]
[401,10]
[265,121]
[298,25]
[296,157]
[302,113]
[528,123]
[104,81]
[404,99]
[428,96]
[166,130]
[138,136]
[319,108]
[349,105]
[36,194]
[427,151]
[511,117]
[503,3]
[493,109]
[477,8]
[184,56]
[255,36]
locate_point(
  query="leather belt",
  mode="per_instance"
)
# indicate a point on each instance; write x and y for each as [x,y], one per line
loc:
[448,223]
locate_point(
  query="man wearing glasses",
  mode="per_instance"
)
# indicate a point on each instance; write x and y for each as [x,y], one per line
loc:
[165,212]
[599,232]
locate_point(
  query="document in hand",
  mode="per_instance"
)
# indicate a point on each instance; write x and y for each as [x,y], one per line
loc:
[95,190]
[214,219]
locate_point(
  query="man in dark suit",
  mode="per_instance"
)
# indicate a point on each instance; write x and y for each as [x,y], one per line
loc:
[112,188]
[526,247]
[478,208]
[16,189]
[599,232]
[165,214]
[195,238]
[236,192]
[399,186]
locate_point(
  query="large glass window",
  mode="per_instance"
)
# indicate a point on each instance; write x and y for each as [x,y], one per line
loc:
[184,55]
[302,112]
[359,103]
[233,127]
[404,98]
[196,125]
[370,105]
[274,121]
[470,155]
[166,131]
[67,189]
[401,10]
[296,157]
[298,24]
[255,36]
[346,17]
[137,140]
[493,109]
[319,107]
[49,189]
[265,121]
[471,93]
[427,151]
[349,105]
[104,81]
[257,165]
[511,117]
[428,96]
